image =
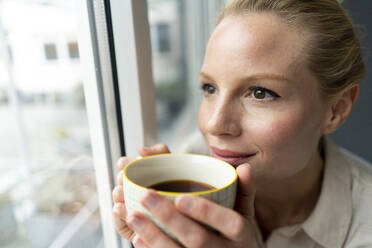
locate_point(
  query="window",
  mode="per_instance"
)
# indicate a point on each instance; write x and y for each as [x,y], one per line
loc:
[181,29]
[73,50]
[163,37]
[63,131]
[48,189]
[50,50]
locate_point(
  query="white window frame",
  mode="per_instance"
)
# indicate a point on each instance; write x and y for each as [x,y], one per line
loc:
[133,58]
[98,88]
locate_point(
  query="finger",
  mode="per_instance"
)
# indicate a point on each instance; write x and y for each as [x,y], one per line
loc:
[122,162]
[119,178]
[187,231]
[148,232]
[118,194]
[119,213]
[225,220]
[155,149]
[246,191]
[138,242]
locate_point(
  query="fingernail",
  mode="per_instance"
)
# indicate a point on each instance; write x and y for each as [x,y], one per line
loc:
[185,203]
[135,223]
[150,201]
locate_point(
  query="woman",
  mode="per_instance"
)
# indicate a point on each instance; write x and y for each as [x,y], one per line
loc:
[278,77]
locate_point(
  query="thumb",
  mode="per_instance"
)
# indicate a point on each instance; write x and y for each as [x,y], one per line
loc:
[155,149]
[246,191]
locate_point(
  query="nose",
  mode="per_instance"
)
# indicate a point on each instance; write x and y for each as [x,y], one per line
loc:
[225,119]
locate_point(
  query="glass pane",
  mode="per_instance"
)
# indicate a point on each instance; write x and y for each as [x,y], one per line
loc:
[176,92]
[47,183]
[169,68]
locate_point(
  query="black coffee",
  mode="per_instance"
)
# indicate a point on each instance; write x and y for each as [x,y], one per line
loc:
[183,186]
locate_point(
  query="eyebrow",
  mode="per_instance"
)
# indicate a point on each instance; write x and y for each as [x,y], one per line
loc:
[252,77]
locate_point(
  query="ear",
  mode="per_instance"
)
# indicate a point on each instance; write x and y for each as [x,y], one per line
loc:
[340,109]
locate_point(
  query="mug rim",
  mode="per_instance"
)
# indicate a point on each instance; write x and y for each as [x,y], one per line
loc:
[169,193]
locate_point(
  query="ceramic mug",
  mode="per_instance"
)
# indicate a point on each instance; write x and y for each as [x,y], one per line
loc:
[147,171]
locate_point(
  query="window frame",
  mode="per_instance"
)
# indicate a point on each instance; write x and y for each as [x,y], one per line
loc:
[101,108]
[133,56]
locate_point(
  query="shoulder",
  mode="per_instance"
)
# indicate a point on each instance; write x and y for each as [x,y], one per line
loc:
[361,178]
[361,186]
[361,189]
[361,170]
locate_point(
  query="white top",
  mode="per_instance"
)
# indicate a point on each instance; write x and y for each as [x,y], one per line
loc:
[342,216]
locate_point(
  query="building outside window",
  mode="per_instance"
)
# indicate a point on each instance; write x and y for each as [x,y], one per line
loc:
[50,51]
[48,194]
[163,33]
[73,50]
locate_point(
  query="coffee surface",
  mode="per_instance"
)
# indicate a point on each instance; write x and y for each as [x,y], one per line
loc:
[181,186]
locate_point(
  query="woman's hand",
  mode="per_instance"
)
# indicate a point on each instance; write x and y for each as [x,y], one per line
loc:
[119,209]
[181,218]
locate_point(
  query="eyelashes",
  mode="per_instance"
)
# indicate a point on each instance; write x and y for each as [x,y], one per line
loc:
[257,93]
[261,93]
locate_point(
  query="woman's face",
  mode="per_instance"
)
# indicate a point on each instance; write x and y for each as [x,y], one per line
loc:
[261,104]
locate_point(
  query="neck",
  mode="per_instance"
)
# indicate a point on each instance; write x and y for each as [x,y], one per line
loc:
[292,201]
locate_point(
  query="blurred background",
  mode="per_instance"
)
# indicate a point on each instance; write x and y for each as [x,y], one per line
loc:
[356,133]
[47,182]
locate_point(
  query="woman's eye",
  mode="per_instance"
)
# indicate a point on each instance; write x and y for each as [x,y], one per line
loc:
[260,93]
[208,89]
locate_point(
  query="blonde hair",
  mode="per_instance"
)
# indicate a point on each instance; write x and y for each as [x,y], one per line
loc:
[333,50]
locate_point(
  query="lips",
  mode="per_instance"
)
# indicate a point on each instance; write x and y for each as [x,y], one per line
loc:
[232,157]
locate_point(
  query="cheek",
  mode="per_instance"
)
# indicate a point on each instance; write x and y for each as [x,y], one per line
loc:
[286,142]
[285,135]
[280,131]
